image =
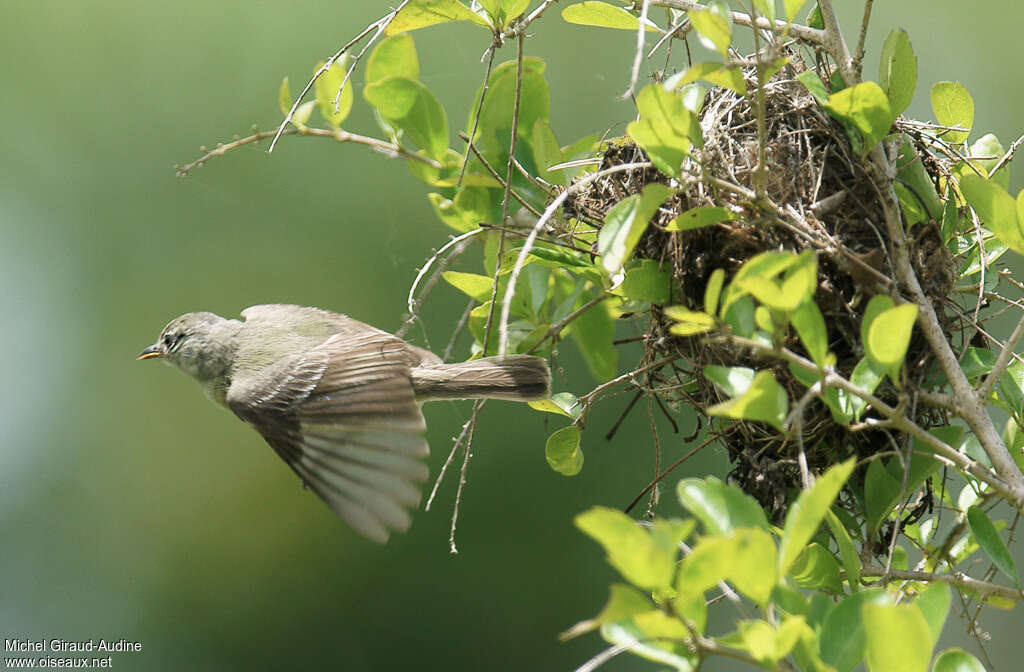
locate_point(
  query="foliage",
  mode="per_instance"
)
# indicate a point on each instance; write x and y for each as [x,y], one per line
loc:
[851,557]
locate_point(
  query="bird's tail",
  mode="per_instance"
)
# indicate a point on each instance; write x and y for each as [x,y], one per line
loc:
[512,377]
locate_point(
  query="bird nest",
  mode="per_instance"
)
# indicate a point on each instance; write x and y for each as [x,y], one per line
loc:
[812,172]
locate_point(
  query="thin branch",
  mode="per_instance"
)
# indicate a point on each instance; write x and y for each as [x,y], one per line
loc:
[379,25]
[494,173]
[858,55]
[779,27]
[1007,157]
[462,474]
[958,579]
[476,117]
[668,470]
[528,244]
[411,301]
[641,36]
[1002,361]
[381,146]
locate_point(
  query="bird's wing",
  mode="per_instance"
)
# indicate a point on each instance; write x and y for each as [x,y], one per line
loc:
[344,417]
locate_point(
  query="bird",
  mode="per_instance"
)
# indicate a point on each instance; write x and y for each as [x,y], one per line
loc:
[337,399]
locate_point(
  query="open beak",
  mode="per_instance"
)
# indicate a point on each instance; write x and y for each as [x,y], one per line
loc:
[151,351]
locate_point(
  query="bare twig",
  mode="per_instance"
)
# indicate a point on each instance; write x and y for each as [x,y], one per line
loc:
[805,33]
[958,579]
[378,25]
[638,57]
[382,146]
[1002,361]
[411,301]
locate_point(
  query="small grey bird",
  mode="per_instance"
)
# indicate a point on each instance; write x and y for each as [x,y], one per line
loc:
[337,399]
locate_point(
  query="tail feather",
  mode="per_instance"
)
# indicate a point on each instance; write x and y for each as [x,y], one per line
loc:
[512,377]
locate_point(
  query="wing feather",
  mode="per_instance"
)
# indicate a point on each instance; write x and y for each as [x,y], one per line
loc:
[344,417]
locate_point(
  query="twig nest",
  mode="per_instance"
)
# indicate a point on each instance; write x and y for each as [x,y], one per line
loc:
[822,200]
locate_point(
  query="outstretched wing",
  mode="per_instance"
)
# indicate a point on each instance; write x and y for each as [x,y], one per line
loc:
[344,417]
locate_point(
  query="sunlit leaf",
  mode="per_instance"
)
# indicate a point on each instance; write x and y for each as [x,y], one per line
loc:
[724,75]
[644,558]
[393,56]
[847,551]
[713,290]
[696,218]
[603,15]
[720,507]
[666,129]
[898,638]
[713,29]
[284,97]
[688,322]
[473,285]
[996,208]
[957,660]
[470,206]
[423,13]
[326,88]
[934,603]
[816,569]
[765,401]
[808,511]
[560,403]
[410,106]
[810,326]
[563,451]
[734,380]
[866,108]
[647,282]
[793,7]
[953,106]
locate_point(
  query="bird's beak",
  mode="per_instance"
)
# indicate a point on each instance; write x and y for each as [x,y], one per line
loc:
[151,351]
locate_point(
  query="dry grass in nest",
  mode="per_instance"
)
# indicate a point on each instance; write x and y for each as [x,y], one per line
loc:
[813,175]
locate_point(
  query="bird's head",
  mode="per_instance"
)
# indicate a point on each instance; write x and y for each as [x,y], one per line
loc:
[196,343]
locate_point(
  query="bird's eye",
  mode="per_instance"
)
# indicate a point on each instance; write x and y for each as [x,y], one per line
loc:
[170,340]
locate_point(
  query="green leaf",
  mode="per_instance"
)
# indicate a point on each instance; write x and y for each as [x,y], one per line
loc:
[996,209]
[623,603]
[881,491]
[326,87]
[666,129]
[814,85]
[767,644]
[720,507]
[713,29]
[710,561]
[753,571]
[423,13]
[953,106]
[514,8]
[409,105]
[889,336]
[697,218]
[816,569]
[592,331]
[728,76]
[470,206]
[563,451]
[625,223]
[546,152]
[808,511]
[393,56]
[897,72]
[647,282]
[957,660]
[918,196]
[560,403]
[765,401]
[810,326]
[688,322]
[302,113]
[645,559]
[284,97]
[495,122]
[987,536]
[475,286]
[654,636]
[934,603]
[866,108]
[847,551]
[734,381]
[713,290]
[603,15]
[898,638]
[792,8]
[766,8]
[1011,389]
[842,639]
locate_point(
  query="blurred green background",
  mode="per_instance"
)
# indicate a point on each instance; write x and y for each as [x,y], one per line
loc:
[131,507]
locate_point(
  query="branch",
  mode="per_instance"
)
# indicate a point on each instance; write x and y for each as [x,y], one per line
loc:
[1002,361]
[958,579]
[805,33]
[381,146]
